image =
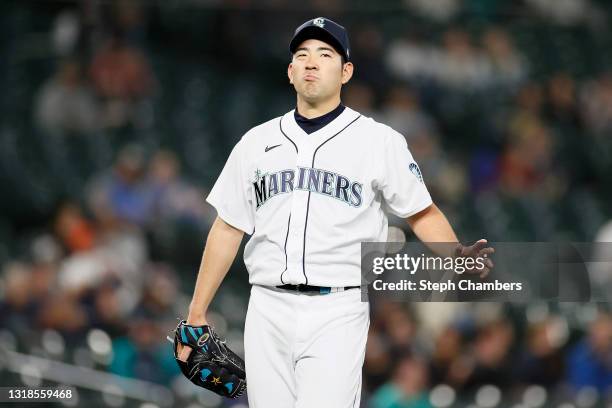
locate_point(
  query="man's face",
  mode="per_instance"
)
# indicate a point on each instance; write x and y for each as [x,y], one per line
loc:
[317,72]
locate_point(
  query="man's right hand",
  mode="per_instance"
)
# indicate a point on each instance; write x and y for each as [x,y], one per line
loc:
[183,352]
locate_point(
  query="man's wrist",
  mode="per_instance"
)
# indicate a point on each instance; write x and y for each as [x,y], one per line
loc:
[196,317]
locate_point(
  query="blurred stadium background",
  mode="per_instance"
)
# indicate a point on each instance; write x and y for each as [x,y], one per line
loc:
[117,116]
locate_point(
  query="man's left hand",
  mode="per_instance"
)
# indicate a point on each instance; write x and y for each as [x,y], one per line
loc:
[479,249]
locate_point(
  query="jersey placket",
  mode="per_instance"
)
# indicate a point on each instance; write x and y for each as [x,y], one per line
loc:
[299,207]
[300,225]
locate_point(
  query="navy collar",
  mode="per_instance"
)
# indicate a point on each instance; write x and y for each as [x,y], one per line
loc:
[312,125]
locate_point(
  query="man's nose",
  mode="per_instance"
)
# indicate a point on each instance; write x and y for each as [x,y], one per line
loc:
[311,64]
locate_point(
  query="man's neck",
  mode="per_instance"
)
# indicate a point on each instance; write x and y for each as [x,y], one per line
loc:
[314,110]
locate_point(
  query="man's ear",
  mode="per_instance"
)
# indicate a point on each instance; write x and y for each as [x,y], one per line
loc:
[347,72]
[290,73]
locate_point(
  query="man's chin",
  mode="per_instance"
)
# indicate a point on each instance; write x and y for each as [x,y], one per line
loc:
[312,96]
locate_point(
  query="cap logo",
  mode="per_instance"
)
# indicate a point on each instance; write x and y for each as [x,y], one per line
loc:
[319,22]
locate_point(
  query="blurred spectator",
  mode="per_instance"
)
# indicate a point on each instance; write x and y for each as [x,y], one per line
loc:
[73,229]
[120,71]
[46,250]
[107,313]
[567,12]
[144,353]
[122,77]
[65,103]
[43,280]
[446,356]
[161,290]
[529,103]
[542,361]
[439,10]
[508,67]
[62,312]
[83,271]
[490,358]
[402,111]
[65,33]
[407,387]
[400,329]
[410,58]
[125,252]
[484,170]
[590,361]
[378,360]
[526,163]
[562,111]
[119,255]
[597,105]
[175,198]
[18,306]
[129,17]
[527,160]
[461,65]
[435,317]
[562,108]
[123,192]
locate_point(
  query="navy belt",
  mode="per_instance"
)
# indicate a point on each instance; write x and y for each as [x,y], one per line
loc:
[320,289]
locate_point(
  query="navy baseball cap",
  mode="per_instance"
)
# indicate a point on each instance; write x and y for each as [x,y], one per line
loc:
[323,29]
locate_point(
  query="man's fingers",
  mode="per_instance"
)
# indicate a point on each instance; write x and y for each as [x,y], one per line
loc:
[478,246]
[473,250]
[485,254]
[478,249]
[487,251]
[183,352]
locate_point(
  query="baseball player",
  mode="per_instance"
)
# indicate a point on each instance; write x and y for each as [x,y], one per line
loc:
[309,187]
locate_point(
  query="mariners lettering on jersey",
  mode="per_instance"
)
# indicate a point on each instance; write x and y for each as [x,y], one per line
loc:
[324,182]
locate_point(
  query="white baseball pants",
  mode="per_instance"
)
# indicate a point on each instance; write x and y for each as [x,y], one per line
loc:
[305,350]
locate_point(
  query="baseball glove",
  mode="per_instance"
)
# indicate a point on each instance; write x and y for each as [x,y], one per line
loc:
[211,364]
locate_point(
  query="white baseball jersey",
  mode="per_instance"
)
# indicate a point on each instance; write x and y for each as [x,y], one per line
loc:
[309,200]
